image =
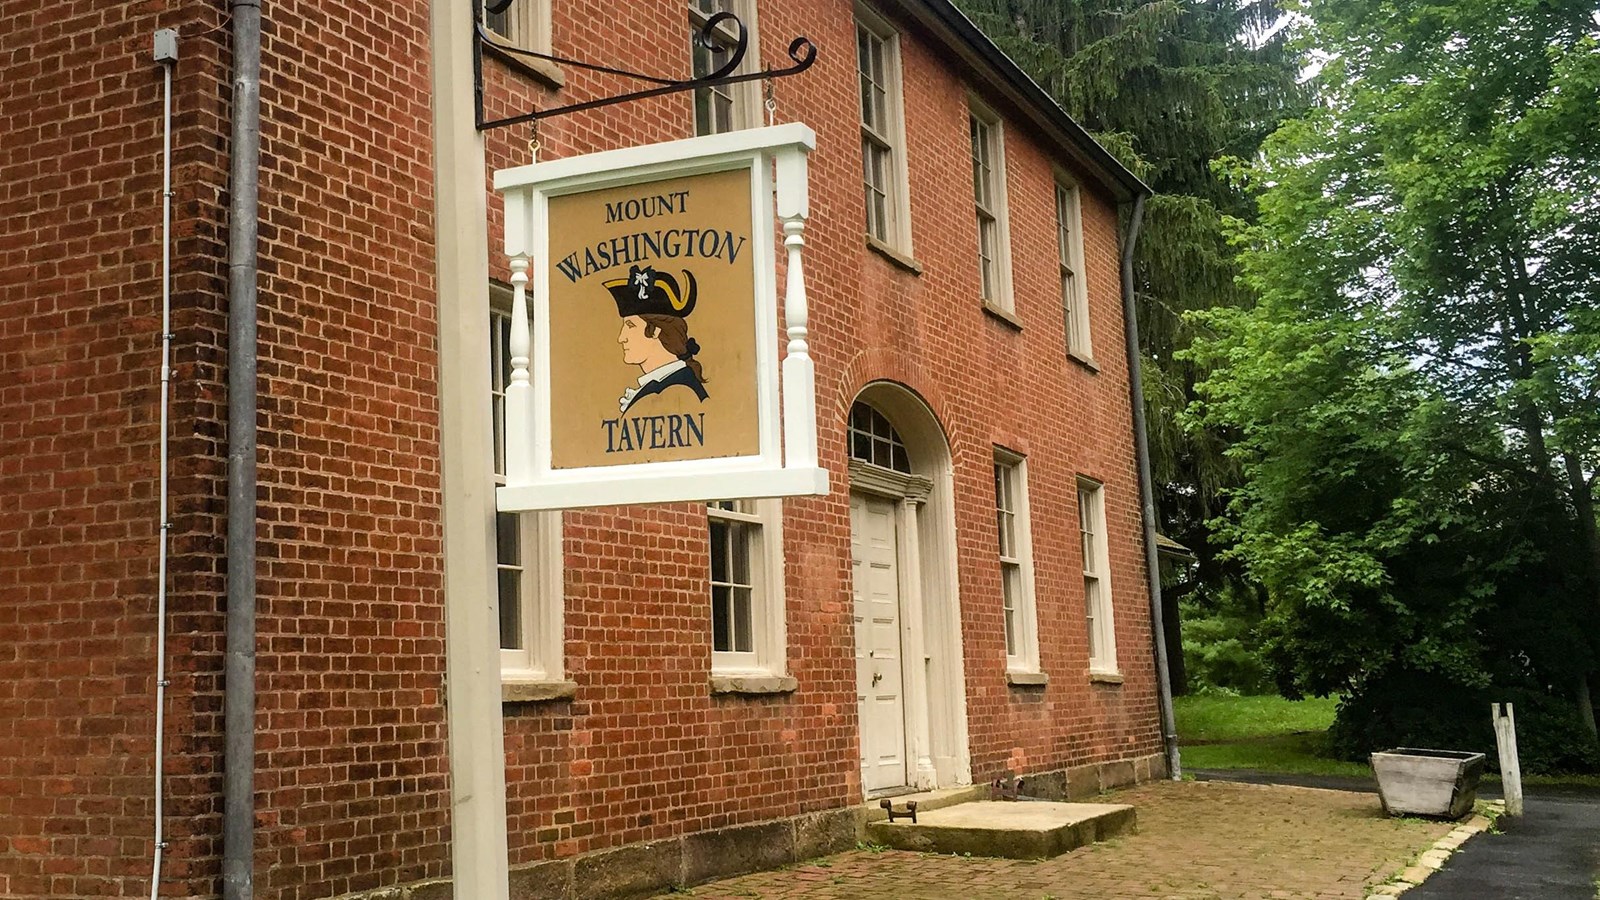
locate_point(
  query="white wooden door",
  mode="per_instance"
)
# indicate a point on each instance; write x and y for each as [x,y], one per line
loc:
[880,696]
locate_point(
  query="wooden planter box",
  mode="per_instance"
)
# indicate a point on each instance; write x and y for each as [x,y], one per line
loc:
[1440,783]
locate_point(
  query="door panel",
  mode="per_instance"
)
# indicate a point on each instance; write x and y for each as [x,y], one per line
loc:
[880,696]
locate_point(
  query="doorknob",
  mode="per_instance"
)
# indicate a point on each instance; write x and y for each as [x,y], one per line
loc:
[876,677]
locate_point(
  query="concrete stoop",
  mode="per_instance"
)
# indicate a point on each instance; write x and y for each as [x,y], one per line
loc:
[1010,830]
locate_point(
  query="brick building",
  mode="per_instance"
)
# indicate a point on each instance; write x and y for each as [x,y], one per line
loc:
[684,690]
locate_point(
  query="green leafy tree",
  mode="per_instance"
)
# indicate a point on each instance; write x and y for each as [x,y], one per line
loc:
[1417,393]
[1170,86]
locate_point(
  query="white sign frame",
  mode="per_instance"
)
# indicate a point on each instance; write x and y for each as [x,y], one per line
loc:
[786,461]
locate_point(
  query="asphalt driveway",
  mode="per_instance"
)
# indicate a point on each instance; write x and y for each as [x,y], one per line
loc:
[1551,853]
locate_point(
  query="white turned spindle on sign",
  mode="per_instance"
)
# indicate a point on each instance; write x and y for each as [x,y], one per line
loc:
[799,373]
[519,392]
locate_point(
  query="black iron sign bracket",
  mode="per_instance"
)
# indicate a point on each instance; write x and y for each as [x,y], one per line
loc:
[801,51]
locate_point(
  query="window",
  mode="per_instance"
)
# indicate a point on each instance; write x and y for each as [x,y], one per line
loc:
[527,545]
[874,440]
[726,107]
[524,24]
[1096,578]
[1016,565]
[747,627]
[988,196]
[1074,293]
[882,162]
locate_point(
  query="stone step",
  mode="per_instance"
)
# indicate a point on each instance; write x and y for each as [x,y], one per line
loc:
[1010,830]
[928,800]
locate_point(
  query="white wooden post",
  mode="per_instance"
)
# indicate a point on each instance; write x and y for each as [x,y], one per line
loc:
[1505,737]
[519,391]
[799,372]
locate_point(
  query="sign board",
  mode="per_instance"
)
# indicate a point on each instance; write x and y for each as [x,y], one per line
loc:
[646,368]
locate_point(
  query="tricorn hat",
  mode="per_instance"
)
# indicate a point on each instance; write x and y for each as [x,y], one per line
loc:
[646,292]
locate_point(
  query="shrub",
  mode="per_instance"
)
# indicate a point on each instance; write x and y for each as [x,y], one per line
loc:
[1423,710]
[1220,654]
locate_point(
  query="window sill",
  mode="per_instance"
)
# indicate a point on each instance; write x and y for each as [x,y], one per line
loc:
[754,684]
[1105,677]
[529,690]
[1086,361]
[541,70]
[1004,315]
[1027,679]
[892,255]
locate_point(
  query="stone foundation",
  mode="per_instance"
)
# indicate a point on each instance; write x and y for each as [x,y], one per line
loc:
[1079,783]
[639,870]
[642,869]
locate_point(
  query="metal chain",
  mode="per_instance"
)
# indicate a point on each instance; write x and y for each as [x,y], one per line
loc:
[772,104]
[533,141]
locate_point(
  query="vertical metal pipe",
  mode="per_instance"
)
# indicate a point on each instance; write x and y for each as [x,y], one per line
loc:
[239,669]
[163,526]
[1147,497]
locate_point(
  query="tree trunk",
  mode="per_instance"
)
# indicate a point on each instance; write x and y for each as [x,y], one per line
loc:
[1589,534]
[1585,704]
[1177,672]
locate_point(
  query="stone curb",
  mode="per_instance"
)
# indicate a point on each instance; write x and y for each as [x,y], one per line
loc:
[1434,858]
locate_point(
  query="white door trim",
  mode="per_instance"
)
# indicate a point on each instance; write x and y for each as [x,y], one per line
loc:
[932,647]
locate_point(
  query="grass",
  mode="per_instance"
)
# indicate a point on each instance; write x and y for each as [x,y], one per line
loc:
[1266,733]
[1223,719]
[1271,734]
[1296,754]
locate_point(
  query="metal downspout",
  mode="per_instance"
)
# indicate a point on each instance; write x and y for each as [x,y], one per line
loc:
[1147,497]
[239,670]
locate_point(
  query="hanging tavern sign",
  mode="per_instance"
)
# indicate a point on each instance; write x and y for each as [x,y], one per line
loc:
[650,370]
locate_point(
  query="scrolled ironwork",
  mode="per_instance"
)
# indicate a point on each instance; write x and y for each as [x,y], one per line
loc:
[802,53]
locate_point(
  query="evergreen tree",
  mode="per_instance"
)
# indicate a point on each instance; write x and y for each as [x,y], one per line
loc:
[1172,87]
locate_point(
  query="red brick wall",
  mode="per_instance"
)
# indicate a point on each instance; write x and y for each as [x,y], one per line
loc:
[351,785]
[351,755]
[80,182]
[644,751]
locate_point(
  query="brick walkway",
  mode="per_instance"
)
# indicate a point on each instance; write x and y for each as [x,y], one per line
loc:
[1196,841]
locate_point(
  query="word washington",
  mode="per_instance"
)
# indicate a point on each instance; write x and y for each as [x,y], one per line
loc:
[643,246]
[655,432]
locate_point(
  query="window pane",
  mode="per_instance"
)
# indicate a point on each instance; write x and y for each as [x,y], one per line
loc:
[509,584]
[739,559]
[1091,588]
[499,23]
[986,257]
[864,67]
[743,641]
[721,619]
[902,462]
[719,552]
[1011,590]
[861,447]
[508,544]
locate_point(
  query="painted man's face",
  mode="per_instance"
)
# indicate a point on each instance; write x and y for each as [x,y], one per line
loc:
[636,348]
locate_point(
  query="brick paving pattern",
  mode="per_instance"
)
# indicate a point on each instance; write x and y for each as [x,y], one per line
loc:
[1196,841]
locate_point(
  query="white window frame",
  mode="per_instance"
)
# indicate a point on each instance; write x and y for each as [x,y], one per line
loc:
[1074,286]
[761,524]
[745,97]
[1099,619]
[1019,618]
[540,588]
[526,25]
[889,135]
[988,150]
